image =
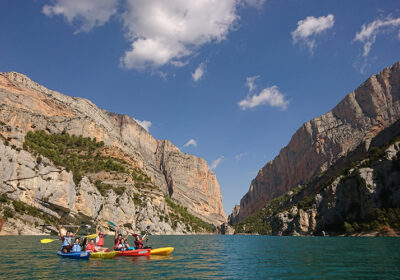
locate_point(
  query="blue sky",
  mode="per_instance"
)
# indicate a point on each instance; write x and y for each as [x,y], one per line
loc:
[238,77]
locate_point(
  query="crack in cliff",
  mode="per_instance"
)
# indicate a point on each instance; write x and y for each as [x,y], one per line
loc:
[163,169]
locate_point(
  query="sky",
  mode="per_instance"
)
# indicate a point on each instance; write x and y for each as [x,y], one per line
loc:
[226,80]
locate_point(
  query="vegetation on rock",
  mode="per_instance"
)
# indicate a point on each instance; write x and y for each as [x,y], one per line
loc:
[76,153]
[182,215]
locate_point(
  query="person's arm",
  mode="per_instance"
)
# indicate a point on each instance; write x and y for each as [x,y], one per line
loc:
[76,232]
[116,233]
[126,237]
[61,234]
[144,238]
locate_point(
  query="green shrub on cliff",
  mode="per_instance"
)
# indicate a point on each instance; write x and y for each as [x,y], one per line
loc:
[103,188]
[76,153]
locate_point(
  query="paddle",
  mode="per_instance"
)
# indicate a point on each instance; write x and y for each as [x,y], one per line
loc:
[48,240]
[112,224]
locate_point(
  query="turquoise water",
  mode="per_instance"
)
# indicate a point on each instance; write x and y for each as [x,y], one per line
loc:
[214,257]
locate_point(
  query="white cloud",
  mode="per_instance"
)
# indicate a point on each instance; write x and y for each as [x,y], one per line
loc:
[86,14]
[369,31]
[271,96]
[199,72]
[191,142]
[160,32]
[250,83]
[308,28]
[240,156]
[164,31]
[216,162]
[145,124]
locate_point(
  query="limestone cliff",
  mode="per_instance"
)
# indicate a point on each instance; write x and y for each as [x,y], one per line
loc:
[27,106]
[321,142]
[358,195]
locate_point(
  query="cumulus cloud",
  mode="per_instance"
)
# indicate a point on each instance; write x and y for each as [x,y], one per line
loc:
[86,14]
[164,31]
[308,28]
[368,33]
[159,32]
[271,96]
[199,72]
[145,124]
[216,162]
[250,83]
[191,142]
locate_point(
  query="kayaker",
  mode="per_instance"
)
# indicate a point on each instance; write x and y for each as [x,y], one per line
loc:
[67,239]
[118,238]
[76,247]
[91,246]
[122,246]
[139,240]
[100,240]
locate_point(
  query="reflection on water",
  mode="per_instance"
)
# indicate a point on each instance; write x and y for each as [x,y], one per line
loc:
[213,257]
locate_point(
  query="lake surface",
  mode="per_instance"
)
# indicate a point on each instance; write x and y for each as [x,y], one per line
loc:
[214,257]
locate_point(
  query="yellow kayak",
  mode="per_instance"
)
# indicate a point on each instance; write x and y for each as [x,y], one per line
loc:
[162,251]
[103,255]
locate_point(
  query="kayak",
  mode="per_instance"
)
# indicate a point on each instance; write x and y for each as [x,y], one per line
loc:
[162,251]
[138,252]
[104,255]
[75,255]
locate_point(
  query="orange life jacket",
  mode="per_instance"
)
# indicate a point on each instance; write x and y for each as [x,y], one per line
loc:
[100,242]
[91,247]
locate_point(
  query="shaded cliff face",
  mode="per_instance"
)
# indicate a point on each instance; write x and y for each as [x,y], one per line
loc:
[319,143]
[27,106]
[358,195]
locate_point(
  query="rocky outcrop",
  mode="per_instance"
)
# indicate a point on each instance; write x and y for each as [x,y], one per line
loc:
[321,142]
[27,106]
[360,197]
[233,218]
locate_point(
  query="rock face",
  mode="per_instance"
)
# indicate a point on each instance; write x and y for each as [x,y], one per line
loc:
[321,142]
[27,106]
[359,194]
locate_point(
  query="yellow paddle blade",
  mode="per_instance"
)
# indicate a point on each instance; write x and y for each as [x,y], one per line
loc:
[94,235]
[45,241]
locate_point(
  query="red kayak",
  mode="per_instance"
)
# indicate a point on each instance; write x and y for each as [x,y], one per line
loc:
[138,252]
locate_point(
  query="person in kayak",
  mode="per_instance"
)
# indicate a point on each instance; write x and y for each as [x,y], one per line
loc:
[122,246]
[99,243]
[91,246]
[139,241]
[67,239]
[118,238]
[76,247]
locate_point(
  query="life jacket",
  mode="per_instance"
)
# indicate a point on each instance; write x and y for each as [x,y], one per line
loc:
[121,247]
[138,244]
[66,240]
[116,242]
[100,241]
[91,247]
[76,248]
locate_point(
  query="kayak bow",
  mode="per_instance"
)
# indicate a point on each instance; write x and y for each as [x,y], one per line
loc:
[162,251]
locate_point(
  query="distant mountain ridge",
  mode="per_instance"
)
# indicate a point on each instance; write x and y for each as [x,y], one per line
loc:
[319,143]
